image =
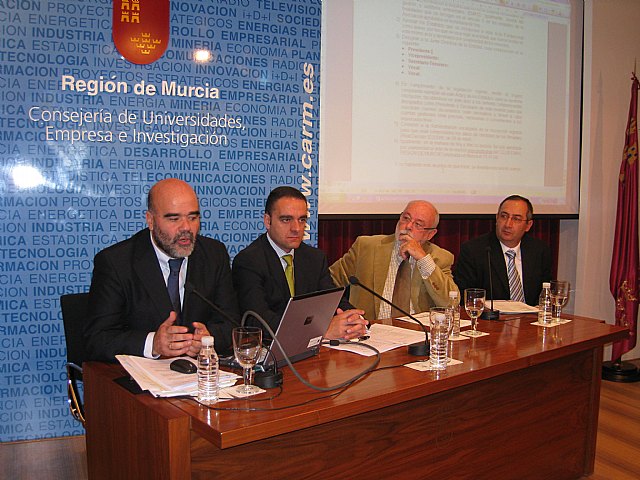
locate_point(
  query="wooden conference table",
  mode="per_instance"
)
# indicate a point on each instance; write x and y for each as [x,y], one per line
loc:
[523,404]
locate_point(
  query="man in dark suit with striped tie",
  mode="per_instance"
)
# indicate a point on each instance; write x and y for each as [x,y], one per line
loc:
[519,262]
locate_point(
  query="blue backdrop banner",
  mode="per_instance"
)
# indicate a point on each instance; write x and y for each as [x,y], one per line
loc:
[231,107]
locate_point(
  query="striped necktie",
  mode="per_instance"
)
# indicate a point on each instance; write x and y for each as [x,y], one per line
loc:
[515,285]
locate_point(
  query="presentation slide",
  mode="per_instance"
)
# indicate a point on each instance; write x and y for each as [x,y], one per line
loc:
[460,102]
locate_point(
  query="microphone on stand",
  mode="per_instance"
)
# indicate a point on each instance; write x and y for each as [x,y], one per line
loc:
[490,314]
[270,378]
[189,288]
[417,349]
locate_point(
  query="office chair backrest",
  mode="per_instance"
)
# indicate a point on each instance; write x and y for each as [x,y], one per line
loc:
[74,315]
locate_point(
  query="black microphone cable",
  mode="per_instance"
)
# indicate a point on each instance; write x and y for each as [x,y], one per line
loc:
[346,383]
[269,380]
[417,349]
[189,288]
[490,314]
[263,379]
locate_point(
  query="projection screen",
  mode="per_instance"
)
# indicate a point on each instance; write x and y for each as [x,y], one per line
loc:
[459,102]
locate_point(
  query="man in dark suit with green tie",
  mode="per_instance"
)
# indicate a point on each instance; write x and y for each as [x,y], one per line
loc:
[279,265]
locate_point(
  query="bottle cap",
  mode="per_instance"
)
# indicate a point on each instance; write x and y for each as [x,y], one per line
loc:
[207,341]
[453,294]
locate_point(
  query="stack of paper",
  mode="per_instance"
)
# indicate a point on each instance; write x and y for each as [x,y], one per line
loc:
[156,376]
[383,338]
[511,306]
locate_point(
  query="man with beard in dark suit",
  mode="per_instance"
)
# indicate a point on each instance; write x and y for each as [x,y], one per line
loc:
[519,262]
[260,271]
[138,304]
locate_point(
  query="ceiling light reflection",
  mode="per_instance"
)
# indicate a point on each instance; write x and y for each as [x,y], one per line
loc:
[26,176]
[201,55]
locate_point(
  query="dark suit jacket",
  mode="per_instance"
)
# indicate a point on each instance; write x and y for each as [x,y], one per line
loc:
[129,298]
[259,280]
[471,269]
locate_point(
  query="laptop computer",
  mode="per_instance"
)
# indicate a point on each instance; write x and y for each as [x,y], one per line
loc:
[303,325]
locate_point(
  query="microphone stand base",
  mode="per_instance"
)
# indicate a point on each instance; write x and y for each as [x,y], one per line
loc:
[490,315]
[419,349]
[268,379]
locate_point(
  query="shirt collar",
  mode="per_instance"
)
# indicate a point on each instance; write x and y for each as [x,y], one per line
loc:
[280,252]
[515,249]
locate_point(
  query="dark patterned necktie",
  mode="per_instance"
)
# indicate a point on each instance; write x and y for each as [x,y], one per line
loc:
[402,290]
[173,284]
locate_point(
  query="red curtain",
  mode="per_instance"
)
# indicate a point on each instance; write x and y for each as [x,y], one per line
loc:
[336,236]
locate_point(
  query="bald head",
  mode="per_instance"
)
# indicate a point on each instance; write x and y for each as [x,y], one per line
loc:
[419,219]
[428,209]
[169,188]
[173,216]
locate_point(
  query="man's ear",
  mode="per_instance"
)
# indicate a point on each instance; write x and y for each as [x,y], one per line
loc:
[530,222]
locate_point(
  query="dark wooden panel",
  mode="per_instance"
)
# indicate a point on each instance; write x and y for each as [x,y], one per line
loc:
[526,424]
[511,346]
[132,436]
[617,451]
[523,404]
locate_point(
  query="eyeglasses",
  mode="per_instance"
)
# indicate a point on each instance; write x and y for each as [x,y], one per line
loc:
[517,219]
[417,224]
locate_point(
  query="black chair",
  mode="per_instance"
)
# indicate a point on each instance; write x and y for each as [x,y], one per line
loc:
[74,316]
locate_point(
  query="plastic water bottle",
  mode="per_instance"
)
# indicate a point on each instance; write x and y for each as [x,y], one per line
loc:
[454,306]
[545,304]
[207,373]
[440,322]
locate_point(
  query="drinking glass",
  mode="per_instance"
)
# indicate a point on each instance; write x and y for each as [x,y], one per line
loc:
[440,324]
[559,298]
[474,305]
[247,342]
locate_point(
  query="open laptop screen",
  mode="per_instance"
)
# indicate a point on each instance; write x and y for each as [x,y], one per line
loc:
[303,325]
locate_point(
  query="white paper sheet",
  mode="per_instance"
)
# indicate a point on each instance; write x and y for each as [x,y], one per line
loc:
[511,307]
[156,376]
[383,338]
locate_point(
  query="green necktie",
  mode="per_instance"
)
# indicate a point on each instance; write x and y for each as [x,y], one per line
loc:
[288,272]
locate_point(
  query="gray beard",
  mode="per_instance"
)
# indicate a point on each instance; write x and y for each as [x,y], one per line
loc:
[169,246]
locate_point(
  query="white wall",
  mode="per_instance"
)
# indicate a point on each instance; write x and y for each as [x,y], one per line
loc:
[612,45]
[567,258]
